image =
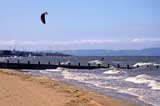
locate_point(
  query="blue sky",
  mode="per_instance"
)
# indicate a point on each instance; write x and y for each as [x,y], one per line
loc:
[80,24]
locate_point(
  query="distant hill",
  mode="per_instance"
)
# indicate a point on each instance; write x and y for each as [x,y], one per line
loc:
[101,52]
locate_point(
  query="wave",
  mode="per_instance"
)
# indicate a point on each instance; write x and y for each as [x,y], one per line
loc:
[141,64]
[156,64]
[143,95]
[78,76]
[114,71]
[49,71]
[145,79]
[65,63]
[59,69]
[89,78]
[95,62]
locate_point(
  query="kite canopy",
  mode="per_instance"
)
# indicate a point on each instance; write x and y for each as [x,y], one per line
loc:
[43,17]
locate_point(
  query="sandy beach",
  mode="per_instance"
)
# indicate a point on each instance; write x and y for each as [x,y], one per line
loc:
[19,89]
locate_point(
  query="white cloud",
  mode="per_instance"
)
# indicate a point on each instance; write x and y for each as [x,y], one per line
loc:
[136,43]
[83,42]
[14,42]
[73,42]
[139,40]
[7,42]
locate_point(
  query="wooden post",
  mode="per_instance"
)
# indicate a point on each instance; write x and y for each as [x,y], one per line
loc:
[137,66]
[118,66]
[28,62]
[99,65]
[39,62]
[7,64]
[79,64]
[157,66]
[128,66]
[7,61]
[59,63]
[89,65]
[108,66]
[69,64]
[18,61]
[49,62]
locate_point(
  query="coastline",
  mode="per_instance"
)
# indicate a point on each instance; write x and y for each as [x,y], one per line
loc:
[20,89]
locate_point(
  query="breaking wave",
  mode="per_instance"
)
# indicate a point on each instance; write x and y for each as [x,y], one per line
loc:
[114,71]
[95,62]
[59,69]
[141,64]
[143,95]
[145,79]
[78,76]
[65,63]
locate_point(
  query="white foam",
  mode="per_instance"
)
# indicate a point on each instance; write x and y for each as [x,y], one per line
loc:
[114,71]
[156,64]
[145,79]
[53,70]
[70,75]
[65,63]
[143,64]
[89,78]
[155,85]
[143,95]
[78,76]
[95,62]
[43,71]
[59,69]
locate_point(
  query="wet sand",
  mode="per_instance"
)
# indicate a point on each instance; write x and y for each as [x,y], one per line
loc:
[19,89]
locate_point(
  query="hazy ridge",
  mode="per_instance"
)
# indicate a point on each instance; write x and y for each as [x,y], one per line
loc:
[103,52]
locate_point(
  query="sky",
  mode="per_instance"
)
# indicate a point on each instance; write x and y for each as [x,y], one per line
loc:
[79,24]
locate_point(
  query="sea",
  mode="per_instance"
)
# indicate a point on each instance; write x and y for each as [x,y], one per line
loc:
[138,85]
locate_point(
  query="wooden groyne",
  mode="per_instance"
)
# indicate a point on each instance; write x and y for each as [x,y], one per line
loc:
[39,66]
[28,65]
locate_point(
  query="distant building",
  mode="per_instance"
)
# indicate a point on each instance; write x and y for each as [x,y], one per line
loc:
[5,52]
